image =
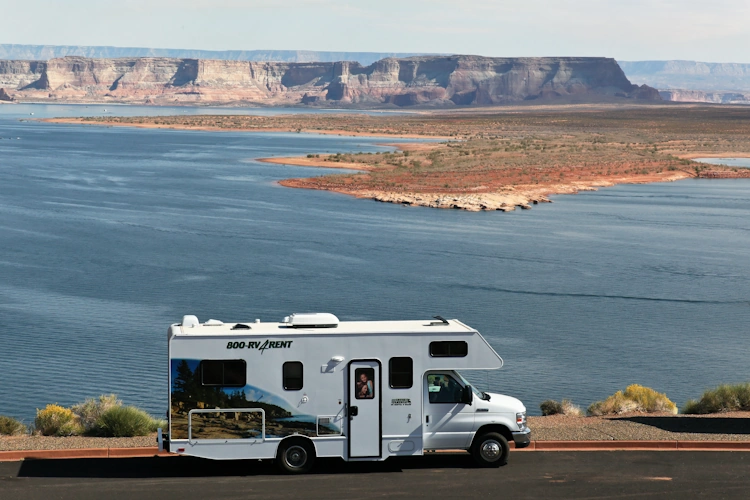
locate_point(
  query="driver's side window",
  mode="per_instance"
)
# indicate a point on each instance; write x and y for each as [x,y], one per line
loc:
[443,388]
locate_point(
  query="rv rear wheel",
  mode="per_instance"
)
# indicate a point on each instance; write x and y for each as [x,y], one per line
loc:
[295,456]
[490,450]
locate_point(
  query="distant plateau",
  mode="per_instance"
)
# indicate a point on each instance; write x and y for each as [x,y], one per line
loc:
[429,81]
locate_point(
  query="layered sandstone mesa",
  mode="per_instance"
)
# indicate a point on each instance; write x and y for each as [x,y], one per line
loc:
[480,80]
[678,95]
[690,75]
[4,96]
[426,80]
[20,74]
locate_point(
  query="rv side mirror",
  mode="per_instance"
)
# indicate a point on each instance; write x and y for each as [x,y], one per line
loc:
[467,396]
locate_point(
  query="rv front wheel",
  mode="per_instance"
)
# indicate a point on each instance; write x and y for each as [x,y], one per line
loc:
[490,450]
[295,456]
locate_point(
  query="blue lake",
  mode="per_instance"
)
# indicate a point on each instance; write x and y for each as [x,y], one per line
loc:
[108,235]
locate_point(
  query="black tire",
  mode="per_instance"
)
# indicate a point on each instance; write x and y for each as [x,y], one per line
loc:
[490,450]
[295,456]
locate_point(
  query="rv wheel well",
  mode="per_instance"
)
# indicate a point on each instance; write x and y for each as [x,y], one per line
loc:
[500,429]
[296,438]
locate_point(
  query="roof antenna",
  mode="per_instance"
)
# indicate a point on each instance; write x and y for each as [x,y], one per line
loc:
[445,321]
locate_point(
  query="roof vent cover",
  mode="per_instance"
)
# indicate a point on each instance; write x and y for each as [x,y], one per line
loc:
[312,320]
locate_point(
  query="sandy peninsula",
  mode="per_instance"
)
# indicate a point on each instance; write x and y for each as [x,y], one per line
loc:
[498,159]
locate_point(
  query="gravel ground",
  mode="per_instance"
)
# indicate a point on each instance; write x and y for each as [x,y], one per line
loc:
[8,443]
[733,426]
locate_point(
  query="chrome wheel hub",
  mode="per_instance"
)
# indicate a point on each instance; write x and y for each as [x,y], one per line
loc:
[490,450]
[295,457]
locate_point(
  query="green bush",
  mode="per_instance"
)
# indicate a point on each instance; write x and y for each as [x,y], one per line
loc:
[566,407]
[722,399]
[636,398]
[126,421]
[90,411]
[54,420]
[11,427]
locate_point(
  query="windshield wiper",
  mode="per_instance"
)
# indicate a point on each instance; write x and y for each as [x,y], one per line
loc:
[485,396]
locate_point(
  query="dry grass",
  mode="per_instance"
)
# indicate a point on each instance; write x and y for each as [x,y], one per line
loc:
[636,398]
[565,407]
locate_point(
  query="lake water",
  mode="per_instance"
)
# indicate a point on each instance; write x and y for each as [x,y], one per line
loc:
[108,235]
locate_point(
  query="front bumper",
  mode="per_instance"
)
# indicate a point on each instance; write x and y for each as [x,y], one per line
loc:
[522,438]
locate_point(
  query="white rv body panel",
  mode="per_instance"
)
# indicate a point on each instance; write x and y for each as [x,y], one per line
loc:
[346,406]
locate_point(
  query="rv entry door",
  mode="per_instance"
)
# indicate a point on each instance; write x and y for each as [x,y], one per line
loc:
[364,409]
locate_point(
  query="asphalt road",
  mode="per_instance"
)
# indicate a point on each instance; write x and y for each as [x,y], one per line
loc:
[528,475]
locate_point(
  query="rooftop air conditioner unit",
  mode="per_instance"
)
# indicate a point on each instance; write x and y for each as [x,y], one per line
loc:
[312,320]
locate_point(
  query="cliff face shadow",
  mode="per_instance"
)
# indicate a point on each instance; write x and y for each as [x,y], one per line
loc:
[166,467]
[695,425]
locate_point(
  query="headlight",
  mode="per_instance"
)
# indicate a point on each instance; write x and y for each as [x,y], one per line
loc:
[521,420]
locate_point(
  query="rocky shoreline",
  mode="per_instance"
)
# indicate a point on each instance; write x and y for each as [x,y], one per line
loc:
[507,200]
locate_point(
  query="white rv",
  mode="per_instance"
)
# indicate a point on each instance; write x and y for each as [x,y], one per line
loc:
[312,386]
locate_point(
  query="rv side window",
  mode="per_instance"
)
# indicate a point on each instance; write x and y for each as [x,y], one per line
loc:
[293,375]
[224,372]
[449,349]
[401,373]
[442,388]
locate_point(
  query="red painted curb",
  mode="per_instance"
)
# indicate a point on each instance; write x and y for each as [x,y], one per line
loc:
[6,456]
[13,456]
[148,451]
[714,445]
[604,445]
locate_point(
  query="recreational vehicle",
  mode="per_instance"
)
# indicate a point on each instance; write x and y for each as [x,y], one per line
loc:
[312,386]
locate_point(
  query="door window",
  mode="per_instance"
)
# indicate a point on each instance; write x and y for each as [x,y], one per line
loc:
[364,383]
[443,388]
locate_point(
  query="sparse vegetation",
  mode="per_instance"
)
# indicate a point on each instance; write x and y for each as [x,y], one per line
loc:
[11,427]
[566,407]
[90,412]
[104,416]
[636,398]
[724,398]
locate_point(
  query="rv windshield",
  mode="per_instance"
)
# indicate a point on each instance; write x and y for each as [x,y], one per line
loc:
[477,392]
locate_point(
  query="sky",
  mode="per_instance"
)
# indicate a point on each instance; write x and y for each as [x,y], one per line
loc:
[628,30]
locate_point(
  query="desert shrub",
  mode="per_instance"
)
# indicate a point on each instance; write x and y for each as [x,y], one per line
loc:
[90,411]
[649,400]
[11,427]
[722,399]
[566,407]
[126,421]
[54,420]
[635,398]
[550,407]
